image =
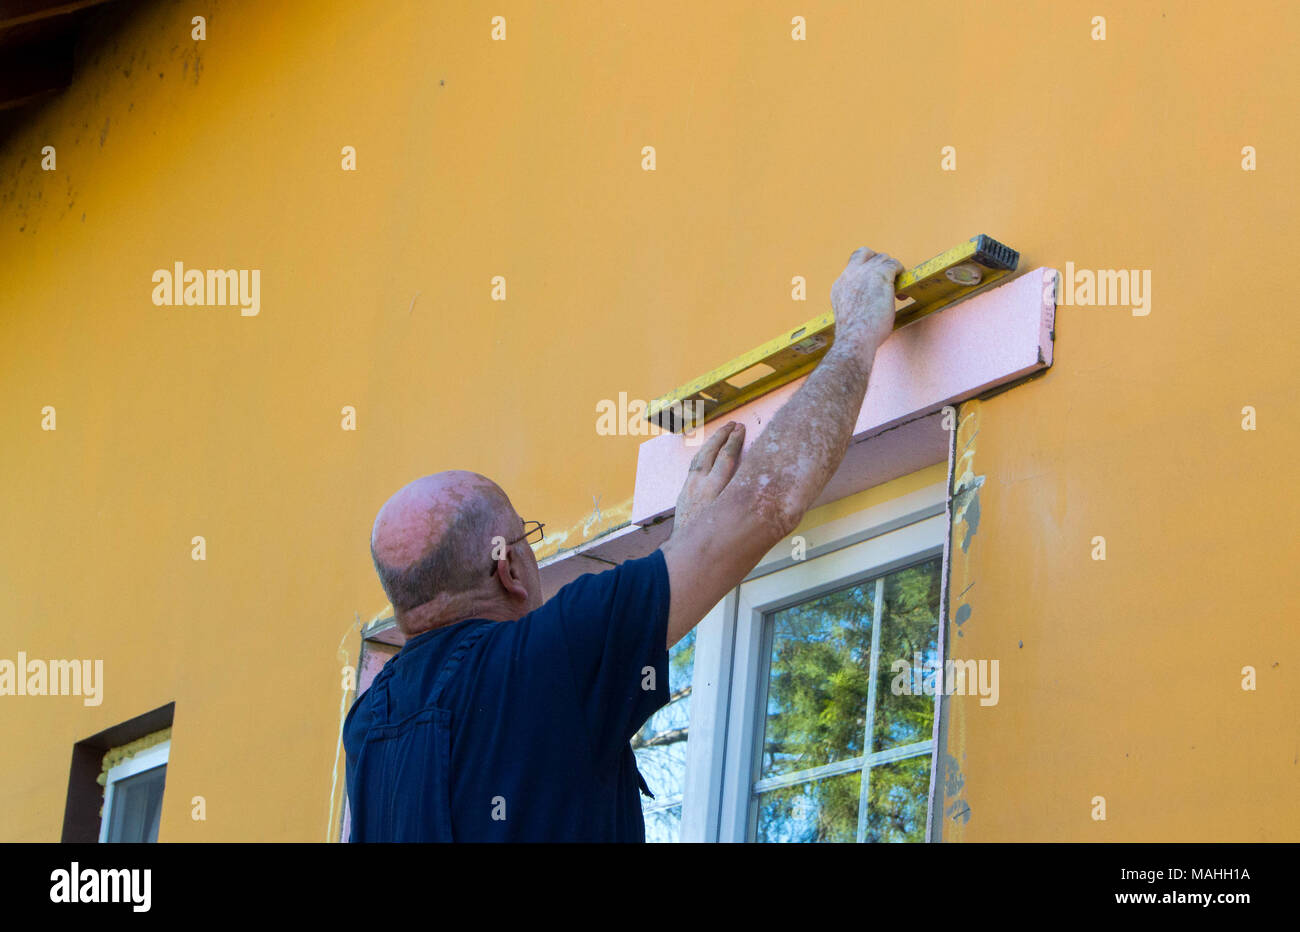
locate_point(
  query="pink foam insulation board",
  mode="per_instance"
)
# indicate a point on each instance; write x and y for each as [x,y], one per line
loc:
[962,351]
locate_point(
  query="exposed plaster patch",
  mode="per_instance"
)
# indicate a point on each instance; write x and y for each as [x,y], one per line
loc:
[964,511]
[596,523]
[953,783]
[967,485]
[952,778]
[342,655]
[124,752]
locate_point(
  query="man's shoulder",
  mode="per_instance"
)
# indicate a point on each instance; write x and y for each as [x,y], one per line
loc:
[646,570]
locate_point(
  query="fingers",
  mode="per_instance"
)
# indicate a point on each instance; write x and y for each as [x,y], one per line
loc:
[890,266]
[864,255]
[724,467]
[717,462]
[704,458]
[707,482]
[711,470]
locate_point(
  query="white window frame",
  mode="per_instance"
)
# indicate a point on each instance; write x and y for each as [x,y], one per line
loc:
[148,759]
[729,660]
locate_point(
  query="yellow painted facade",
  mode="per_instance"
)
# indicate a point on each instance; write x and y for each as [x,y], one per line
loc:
[523,158]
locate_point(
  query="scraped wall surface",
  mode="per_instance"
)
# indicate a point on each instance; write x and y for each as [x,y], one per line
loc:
[523,158]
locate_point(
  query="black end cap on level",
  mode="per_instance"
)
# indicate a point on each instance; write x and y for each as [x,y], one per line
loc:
[992,254]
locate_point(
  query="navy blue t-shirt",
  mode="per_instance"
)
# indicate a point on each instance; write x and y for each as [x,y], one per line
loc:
[526,735]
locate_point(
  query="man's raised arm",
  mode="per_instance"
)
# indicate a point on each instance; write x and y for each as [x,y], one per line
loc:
[731,512]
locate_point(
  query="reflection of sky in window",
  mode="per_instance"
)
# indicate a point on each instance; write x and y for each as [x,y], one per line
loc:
[664,825]
[820,810]
[660,747]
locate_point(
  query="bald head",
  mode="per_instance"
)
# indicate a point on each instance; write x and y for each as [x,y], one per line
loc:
[432,541]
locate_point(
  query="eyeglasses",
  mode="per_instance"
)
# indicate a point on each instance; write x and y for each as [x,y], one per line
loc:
[527,535]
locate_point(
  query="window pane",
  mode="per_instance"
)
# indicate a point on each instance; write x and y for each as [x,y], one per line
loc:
[819,810]
[896,800]
[817,681]
[137,807]
[909,629]
[664,825]
[660,745]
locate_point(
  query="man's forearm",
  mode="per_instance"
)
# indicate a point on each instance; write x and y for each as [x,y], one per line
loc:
[797,453]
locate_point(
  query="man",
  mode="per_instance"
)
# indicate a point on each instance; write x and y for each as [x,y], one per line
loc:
[503,719]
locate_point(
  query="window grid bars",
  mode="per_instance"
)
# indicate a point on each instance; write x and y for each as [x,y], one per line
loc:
[902,752]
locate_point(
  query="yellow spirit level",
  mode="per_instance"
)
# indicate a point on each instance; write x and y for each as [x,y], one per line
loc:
[933,284]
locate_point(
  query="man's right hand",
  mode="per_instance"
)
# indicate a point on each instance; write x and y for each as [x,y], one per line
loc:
[863,297]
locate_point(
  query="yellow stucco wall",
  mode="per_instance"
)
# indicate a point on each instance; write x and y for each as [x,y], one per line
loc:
[522,158]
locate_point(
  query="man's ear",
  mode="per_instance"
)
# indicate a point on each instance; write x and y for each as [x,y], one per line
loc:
[509,576]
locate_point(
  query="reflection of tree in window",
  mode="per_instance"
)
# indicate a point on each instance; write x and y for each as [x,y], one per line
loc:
[660,747]
[910,628]
[898,796]
[818,810]
[817,684]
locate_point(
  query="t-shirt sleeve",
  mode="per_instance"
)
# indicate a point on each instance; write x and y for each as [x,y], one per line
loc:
[615,627]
